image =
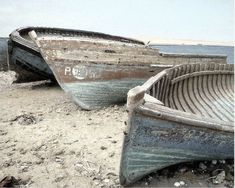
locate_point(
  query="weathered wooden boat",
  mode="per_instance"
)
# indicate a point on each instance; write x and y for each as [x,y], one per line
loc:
[182,114]
[97,69]
[26,60]
[26,56]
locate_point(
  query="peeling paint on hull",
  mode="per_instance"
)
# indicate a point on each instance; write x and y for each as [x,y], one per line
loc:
[97,71]
[153,144]
[185,113]
[93,86]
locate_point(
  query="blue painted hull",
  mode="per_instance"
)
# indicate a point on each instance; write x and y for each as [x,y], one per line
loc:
[93,95]
[152,144]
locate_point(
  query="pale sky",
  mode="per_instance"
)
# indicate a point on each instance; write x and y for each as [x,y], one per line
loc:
[211,20]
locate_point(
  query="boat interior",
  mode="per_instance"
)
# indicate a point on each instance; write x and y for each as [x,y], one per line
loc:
[202,89]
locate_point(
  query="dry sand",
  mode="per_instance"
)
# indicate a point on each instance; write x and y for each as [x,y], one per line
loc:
[47,141]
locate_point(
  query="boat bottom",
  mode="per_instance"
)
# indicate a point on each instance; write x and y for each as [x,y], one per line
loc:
[98,94]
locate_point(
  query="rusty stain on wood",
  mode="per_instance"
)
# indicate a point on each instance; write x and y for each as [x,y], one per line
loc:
[25,56]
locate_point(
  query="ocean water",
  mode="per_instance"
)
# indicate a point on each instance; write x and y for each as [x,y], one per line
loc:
[198,49]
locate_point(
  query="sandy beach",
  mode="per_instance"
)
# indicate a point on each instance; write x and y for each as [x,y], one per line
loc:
[48,141]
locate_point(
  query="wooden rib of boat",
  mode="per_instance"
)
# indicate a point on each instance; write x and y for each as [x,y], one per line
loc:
[182,114]
[95,69]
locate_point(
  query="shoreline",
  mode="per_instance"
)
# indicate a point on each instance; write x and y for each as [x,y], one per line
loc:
[172,44]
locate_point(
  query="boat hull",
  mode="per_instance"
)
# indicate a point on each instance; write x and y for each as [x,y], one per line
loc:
[93,95]
[29,65]
[94,86]
[152,144]
[98,71]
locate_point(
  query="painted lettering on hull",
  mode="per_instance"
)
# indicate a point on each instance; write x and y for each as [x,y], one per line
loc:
[79,72]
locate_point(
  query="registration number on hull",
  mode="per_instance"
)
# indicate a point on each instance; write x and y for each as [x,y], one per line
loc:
[79,72]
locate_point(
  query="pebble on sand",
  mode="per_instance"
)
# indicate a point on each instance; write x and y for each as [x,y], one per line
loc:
[177,184]
[214,162]
[103,147]
[219,178]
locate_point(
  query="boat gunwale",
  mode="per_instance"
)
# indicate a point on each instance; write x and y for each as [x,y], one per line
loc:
[157,77]
[185,118]
[17,38]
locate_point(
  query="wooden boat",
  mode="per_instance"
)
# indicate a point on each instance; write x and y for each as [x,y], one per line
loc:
[25,54]
[182,114]
[96,69]
[26,59]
